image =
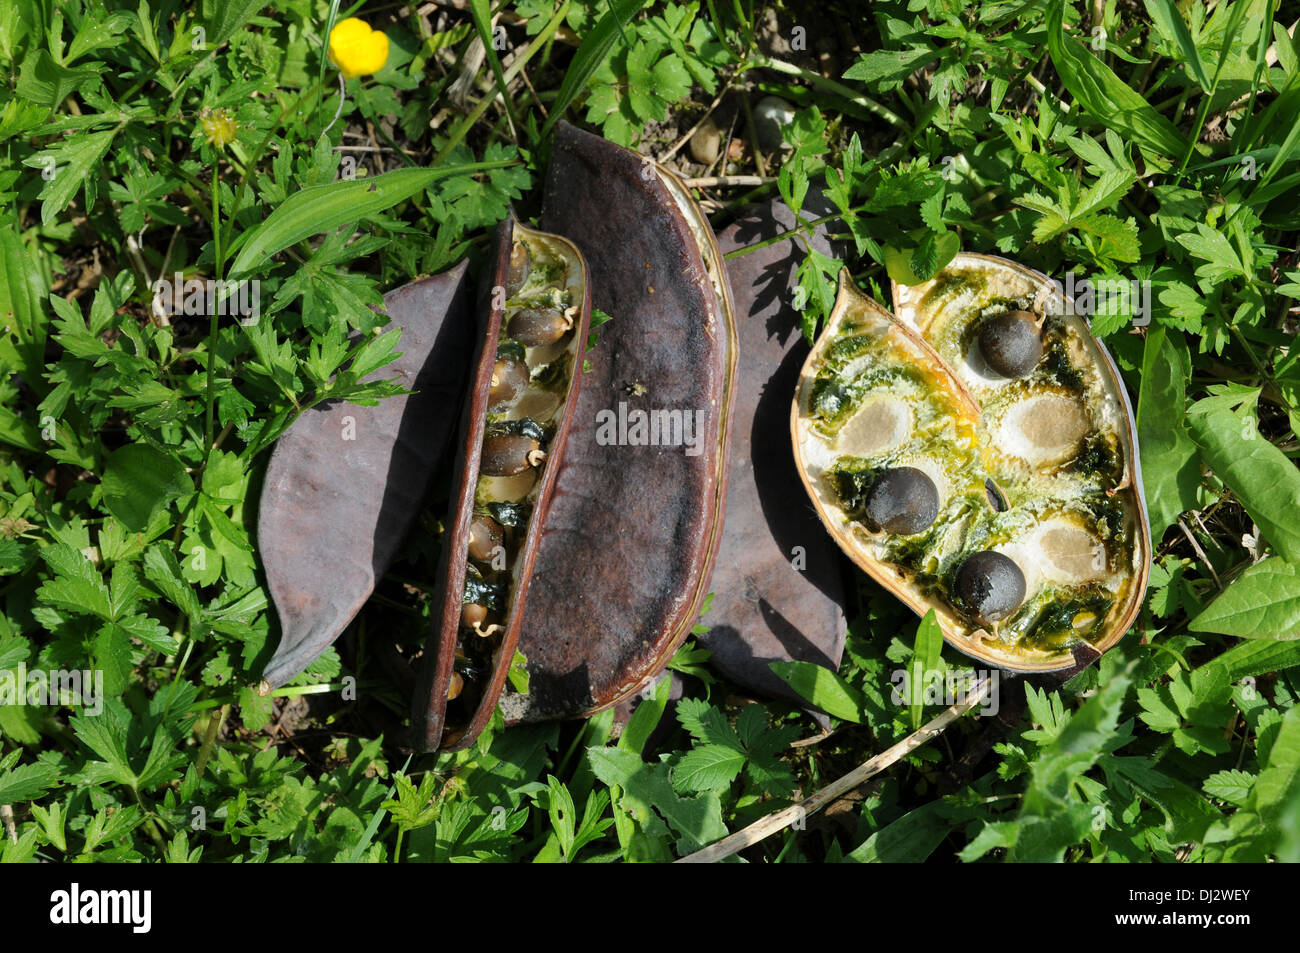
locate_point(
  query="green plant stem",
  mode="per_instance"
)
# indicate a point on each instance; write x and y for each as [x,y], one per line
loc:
[457,135]
[830,85]
[214,725]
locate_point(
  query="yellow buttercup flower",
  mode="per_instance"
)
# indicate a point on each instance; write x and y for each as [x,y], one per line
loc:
[219,127]
[356,49]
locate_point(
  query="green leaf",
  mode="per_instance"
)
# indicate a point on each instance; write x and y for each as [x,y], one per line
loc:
[889,64]
[823,688]
[1266,483]
[27,782]
[909,840]
[77,585]
[710,768]
[225,17]
[1170,474]
[1187,814]
[65,168]
[1110,100]
[22,290]
[46,83]
[162,569]
[595,47]
[1165,15]
[106,737]
[646,718]
[1232,786]
[1262,603]
[1243,661]
[925,660]
[1278,783]
[139,481]
[323,208]
[648,794]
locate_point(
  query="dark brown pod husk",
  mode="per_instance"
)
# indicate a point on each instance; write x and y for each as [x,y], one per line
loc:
[537,418]
[624,562]
[345,482]
[778,584]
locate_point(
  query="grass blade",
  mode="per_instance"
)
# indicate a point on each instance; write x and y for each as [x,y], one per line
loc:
[323,208]
[1170,23]
[1105,96]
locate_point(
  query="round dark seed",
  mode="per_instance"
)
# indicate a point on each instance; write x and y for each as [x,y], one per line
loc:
[507,454]
[536,327]
[990,585]
[509,378]
[1011,343]
[903,501]
[485,535]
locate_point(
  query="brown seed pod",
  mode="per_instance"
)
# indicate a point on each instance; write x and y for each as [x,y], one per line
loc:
[345,482]
[624,562]
[777,585]
[497,471]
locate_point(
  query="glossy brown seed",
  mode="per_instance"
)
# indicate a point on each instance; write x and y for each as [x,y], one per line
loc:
[485,536]
[473,615]
[537,327]
[509,454]
[509,378]
[1011,343]
[455,686]
[519,269]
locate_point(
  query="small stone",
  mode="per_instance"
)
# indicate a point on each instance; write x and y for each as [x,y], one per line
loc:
[706,142]
[771,116]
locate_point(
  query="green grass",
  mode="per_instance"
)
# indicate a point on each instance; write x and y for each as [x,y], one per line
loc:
[1158,145]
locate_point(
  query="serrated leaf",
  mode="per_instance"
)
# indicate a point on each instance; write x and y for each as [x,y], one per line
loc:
[28,782]
[1233,786]
[1266,483]
[648,793]
[710,768]
[1278,783]
[1262,603]
[139,481]
[68,164]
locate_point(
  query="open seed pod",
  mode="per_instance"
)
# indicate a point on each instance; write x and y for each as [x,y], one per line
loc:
[625,556]
[777,585]
[345,481]
[1009,502]
[516,420]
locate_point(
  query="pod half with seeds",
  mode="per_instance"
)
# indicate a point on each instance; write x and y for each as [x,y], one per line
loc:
[516,421]
[624,562]
[982,391]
